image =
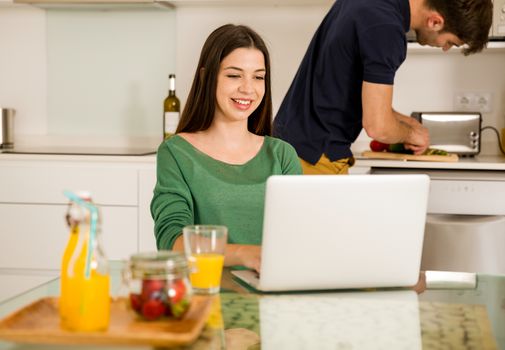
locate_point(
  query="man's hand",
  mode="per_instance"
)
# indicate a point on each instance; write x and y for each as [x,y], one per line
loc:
[418,139]
[383,124]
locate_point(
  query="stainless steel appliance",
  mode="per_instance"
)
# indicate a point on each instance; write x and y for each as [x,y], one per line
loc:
[454,132]
[7,127]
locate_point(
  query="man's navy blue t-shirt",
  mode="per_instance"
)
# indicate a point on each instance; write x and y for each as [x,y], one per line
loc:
[358,40]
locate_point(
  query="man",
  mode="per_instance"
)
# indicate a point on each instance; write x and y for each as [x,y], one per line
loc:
[345,81]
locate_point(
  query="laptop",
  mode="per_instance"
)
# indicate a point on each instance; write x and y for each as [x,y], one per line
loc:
[323,232]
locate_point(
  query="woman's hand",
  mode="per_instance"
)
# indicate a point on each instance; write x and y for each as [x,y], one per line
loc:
[250,256]
[245,255]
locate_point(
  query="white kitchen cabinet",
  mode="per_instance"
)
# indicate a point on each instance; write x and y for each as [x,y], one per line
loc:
[464,228]
[33,232]
[359,170]
[44,182]
[471,186]
[468,192]
[147,180]
[35,235]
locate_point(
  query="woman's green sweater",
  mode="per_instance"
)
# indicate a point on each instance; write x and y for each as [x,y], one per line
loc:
[193,188]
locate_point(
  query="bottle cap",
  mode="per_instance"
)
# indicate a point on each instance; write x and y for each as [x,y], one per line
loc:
[85,195]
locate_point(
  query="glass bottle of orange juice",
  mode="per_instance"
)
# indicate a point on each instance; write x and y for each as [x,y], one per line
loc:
[84,299]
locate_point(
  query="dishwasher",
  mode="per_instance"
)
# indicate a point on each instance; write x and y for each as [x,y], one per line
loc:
[465,224]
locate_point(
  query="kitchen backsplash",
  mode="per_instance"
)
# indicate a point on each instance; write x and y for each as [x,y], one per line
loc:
[428,80]
[79,72]
[108,70]
[23,66]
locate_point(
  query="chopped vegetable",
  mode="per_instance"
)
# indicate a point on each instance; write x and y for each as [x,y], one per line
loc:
[378,146]
[399,148]
[435,152]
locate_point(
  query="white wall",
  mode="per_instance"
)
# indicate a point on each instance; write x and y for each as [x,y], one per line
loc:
[427,81]
[86,72]
[23,66]
[106,71]
[286,30]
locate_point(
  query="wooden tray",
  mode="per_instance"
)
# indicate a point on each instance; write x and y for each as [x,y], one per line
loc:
[39,323]
[450,158]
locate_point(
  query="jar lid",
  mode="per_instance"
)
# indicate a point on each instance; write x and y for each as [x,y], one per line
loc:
[163,262]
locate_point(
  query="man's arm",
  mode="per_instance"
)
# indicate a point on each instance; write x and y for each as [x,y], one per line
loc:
[383,124]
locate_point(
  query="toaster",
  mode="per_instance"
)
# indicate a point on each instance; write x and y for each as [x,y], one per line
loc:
[454,132]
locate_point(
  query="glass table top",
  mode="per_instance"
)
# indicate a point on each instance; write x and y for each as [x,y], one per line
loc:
[371,319]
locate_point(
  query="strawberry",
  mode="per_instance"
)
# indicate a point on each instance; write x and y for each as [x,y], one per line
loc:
[149,287]
[177,291]
[136,302]
[153,309]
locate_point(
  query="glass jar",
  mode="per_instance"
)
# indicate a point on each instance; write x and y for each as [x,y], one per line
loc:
[158,284]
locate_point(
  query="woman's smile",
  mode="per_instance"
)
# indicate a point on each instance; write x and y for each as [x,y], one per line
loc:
[242,104]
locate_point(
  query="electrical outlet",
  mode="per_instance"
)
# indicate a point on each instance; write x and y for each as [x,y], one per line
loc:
[483,102]
[473,101]
[463,101]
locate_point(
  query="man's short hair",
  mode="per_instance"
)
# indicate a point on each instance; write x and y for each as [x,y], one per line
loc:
[469,20]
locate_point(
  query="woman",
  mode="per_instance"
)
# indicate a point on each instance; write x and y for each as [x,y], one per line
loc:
[213,171]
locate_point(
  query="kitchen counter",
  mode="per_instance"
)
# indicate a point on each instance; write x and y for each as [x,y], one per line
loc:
[109,152]
[480,162]
[47,147]
[150,159]
[374,319]
[85,151]
[476,163]
[104,148]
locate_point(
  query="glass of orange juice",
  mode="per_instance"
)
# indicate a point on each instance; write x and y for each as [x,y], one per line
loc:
[204,246]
